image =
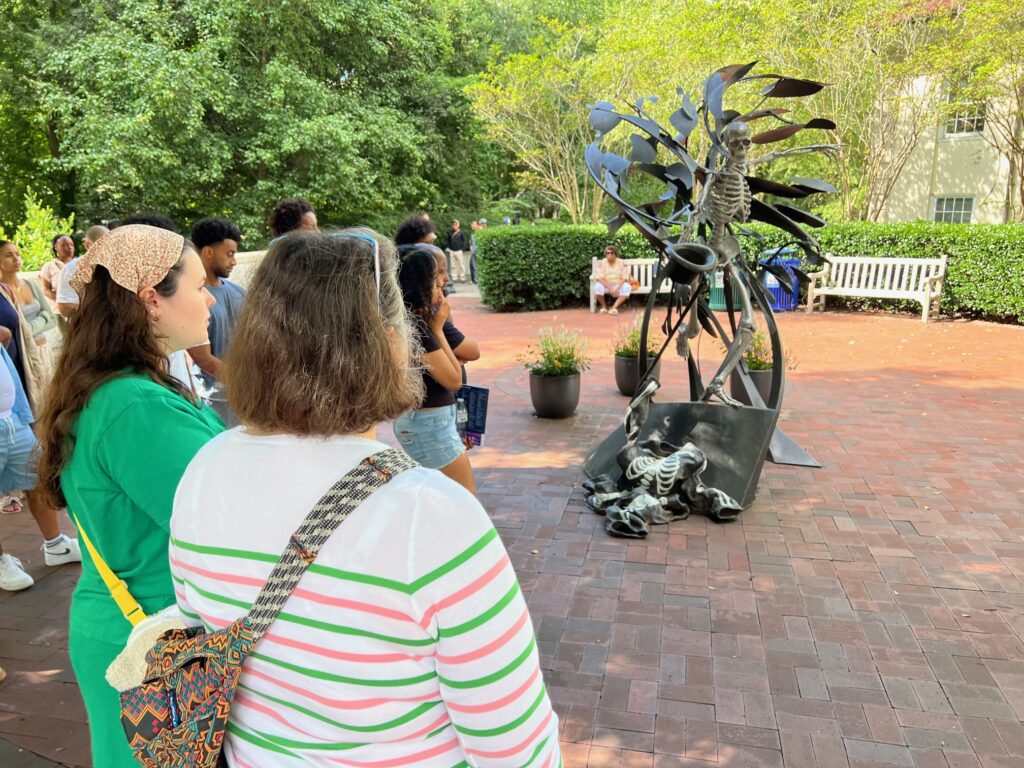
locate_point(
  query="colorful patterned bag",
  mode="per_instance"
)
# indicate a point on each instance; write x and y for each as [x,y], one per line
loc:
[178,716]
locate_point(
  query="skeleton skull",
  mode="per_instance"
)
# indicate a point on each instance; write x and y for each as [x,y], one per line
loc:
[736,137]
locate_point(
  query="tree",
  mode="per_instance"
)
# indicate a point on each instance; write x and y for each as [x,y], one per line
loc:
[986,41]
[198,107]
[535,106]
[489,31]
[27,140]
[872,53]
[880,94]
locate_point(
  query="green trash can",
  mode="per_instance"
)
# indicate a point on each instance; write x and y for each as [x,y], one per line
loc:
[717,302]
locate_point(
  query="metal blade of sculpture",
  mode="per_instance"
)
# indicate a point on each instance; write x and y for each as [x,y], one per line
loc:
[669,459]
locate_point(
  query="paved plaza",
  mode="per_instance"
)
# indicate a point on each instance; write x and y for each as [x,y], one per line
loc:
[868,613]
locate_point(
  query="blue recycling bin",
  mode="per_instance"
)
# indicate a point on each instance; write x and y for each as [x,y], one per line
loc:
[782,301]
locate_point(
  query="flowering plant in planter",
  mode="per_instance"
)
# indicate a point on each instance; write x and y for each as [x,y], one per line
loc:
[758,355]
[627,342]
[555,363]
[627,358]
[557,353]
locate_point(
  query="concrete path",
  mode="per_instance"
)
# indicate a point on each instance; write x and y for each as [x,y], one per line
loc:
[866,614]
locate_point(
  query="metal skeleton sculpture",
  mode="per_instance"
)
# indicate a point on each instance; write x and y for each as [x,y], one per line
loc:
[726,199]
[696,237]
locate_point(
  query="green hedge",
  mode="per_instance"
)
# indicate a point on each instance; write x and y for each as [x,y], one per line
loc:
[545,267]
[529,268]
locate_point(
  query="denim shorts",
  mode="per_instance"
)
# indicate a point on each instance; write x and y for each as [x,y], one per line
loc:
[18,453]
[430,436]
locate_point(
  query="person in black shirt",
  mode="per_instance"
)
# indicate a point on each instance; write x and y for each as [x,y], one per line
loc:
[429,434]
[458,244]
[466,350]
[419,230]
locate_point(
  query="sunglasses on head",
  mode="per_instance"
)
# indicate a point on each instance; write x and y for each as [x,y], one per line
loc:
[376,253]
[365,238]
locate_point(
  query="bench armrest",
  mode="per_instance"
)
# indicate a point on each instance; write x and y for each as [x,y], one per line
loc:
[935,279]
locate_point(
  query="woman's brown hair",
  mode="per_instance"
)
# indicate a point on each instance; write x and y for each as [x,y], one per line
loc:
[109,333]
[317,351]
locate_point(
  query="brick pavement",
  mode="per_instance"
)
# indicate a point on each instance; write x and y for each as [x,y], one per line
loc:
[866,614]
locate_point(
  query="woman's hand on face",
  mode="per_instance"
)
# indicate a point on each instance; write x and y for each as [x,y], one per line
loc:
[441,313]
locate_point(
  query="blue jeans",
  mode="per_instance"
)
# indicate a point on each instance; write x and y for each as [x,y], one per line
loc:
[430,436]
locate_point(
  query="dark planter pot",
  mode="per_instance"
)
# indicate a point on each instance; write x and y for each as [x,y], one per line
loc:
[555,397]
[762,382]
[628,373]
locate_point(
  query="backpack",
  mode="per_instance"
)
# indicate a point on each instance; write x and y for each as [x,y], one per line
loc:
[177,718]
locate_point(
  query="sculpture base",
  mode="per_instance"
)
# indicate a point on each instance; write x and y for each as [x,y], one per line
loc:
[783,449]
[735,441]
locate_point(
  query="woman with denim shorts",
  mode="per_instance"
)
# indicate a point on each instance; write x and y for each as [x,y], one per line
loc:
[429,434]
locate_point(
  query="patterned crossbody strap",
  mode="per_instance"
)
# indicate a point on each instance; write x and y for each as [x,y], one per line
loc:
[329,512]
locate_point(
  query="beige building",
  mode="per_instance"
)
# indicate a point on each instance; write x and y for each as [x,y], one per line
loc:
[954,174]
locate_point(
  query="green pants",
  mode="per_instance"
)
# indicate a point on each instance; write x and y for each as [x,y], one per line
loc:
[90,659]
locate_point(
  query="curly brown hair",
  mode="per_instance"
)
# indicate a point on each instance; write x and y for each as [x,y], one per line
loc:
[287,215]
[109,333]
[316,350]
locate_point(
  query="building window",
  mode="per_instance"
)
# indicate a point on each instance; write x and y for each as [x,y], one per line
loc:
[970,119]
[953,210]
[965,116]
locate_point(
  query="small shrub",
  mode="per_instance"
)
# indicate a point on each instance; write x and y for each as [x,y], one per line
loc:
[758,355]
[557,353]
[34,236]
[548,267]
[627,342]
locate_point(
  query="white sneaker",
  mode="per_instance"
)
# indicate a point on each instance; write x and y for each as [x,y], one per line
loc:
[12,577]
[603,311]
[613,311]
[65,551]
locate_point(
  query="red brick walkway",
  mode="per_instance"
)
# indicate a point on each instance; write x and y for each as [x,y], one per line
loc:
[869,613]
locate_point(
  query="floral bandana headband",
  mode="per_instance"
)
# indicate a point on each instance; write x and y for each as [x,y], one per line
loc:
[136,256]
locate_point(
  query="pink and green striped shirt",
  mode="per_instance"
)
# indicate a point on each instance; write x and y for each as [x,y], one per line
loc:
[407,643]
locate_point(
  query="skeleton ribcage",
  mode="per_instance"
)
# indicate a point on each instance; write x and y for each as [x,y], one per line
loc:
[730,198]
[658,476]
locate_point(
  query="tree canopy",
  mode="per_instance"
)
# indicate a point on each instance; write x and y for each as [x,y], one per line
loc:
[376,108]
[193,107]
[888,64]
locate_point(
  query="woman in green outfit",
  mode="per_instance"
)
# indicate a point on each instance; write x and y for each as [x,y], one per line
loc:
[117,434]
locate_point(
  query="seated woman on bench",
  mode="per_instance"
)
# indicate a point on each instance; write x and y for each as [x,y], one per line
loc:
[612,280]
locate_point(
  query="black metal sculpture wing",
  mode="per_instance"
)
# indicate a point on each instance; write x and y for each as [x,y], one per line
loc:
[663,156]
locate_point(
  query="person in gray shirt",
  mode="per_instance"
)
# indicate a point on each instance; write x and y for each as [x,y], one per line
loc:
[216,240]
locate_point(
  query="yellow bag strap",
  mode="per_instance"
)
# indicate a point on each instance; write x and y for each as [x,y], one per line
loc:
[118,589]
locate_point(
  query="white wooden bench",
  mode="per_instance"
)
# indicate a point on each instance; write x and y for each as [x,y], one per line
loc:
[868,277]
[641,270]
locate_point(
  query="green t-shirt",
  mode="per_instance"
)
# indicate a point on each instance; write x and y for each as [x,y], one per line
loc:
[132,443]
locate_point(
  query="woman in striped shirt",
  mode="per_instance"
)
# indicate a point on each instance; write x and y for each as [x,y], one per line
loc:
[407,642]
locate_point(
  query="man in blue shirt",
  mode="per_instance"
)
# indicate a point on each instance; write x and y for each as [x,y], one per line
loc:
[216,240]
